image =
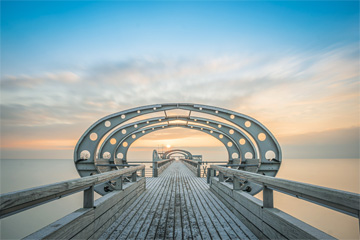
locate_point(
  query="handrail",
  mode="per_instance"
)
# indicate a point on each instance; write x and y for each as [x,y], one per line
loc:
[342,201]
[194,164]
[191,161]
[159,165]
[164,160]
[11,203]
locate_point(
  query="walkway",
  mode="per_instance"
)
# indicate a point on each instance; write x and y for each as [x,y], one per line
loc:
[177,205]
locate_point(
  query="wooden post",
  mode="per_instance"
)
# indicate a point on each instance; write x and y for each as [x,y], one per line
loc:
[89,197]
[198,170]
[221,177]
[155,169]
[236,183]
[268,198]
[208,175]
[143,172]
[133,177]
[118,183]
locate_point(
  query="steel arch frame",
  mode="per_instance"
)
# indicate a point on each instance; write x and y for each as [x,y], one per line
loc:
[261,136]
[118,136]
[167,153]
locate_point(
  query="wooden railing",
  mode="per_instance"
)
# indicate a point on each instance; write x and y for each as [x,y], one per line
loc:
[11,203]
[342,201]
[261,217]
[194,166]
[160,166]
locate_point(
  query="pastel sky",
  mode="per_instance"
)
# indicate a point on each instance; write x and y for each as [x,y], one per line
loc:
[292,65]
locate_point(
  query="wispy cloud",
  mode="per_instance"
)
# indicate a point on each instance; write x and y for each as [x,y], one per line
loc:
[27,81]
[291,92]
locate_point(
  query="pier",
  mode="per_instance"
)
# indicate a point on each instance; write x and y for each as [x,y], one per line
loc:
[181,196]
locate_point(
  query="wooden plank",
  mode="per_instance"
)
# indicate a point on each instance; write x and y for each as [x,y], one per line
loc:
[161,213]
[140,229]
[166,222]
[104,203]
[222,225]
[198,217]
[195,219]
[121,207]
[233,222]
[110,231]
[148,227]
[208,221]
[253,228]
[137,219]
[178,228]
[185,221]
[103,219]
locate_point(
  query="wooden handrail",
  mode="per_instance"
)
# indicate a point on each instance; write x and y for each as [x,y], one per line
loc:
[191,161]
[342,201]
[164,160]
[11,203]
[194,164]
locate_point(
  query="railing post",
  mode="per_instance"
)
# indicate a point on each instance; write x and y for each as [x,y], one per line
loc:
[221,177]
[133,177]
[208,175]
[236,183]
[268,198]
[155,169]
[198,170]
[118,185]
[89,197]
[143,172]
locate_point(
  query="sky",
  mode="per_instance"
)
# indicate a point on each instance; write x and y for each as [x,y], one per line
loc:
[292,65]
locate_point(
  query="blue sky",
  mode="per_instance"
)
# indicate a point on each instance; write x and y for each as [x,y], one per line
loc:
[292,65]
[45,35]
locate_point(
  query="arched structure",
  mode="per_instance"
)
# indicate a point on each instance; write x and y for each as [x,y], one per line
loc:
[113,140]
[175,153]
[122,148]
[187,154]
[239,133]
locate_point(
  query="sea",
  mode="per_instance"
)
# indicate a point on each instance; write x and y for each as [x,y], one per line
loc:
[342,174]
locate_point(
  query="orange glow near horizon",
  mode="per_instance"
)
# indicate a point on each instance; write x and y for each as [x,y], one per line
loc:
[40,144]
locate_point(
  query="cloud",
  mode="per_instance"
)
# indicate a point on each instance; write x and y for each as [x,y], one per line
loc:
[291,93]
[27,81]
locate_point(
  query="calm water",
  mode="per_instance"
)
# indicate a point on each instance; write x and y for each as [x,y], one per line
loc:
[334,173]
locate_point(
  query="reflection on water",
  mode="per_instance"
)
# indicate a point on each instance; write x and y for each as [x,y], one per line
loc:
[334,173]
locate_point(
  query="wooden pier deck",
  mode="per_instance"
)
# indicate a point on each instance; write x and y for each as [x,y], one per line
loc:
[177,205]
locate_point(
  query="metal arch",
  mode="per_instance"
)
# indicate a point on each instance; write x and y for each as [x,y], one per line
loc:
[128,129]
[177,153]
[156,155]
[103,126]
[269,144]
[118,136]
[245,146]
[165,154]
[253,129]
[141,132]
